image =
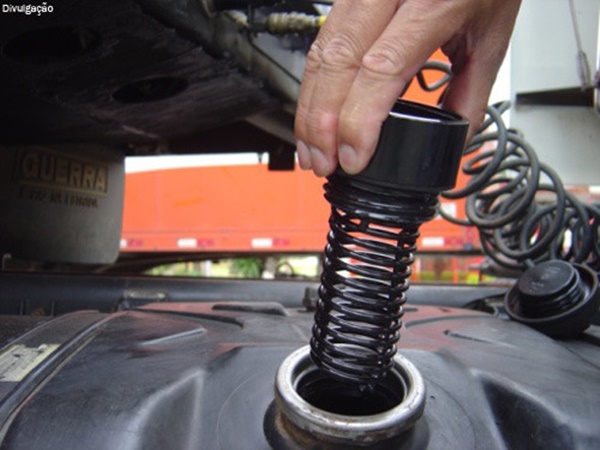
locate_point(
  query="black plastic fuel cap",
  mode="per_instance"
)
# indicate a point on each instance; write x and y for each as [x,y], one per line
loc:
[419,149]
[555,297]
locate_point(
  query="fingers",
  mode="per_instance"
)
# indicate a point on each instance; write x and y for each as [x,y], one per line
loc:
[332,64]
[415,32]
[475,69]
[367,52]
[468,93]
[313,63]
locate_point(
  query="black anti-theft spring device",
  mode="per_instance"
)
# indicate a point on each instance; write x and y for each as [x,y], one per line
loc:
[374,226]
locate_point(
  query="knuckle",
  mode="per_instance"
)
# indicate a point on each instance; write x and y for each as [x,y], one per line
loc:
[343,52]
[314,56]
[387,59]
[321,127]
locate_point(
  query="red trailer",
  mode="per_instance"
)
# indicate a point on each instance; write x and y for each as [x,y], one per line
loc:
[244,208]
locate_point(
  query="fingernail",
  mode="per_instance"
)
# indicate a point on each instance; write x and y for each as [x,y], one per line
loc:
[320,165]
[303,155]
[348,159]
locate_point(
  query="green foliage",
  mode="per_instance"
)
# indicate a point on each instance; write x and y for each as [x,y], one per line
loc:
[181,269]
[248,267]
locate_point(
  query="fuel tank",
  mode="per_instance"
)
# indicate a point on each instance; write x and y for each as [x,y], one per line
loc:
[200,375]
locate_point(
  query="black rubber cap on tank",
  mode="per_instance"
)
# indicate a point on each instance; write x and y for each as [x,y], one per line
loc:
[555,297]
[419,149]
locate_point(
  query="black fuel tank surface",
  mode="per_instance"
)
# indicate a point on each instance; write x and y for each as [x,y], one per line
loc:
[200,376]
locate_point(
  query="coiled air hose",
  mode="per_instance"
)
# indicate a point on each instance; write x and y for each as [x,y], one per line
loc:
[518,204]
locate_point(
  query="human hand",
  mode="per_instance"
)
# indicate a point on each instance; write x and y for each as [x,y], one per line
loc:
[366,53]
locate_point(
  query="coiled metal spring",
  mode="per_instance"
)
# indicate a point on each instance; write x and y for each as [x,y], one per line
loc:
[373,233]
[374,226]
